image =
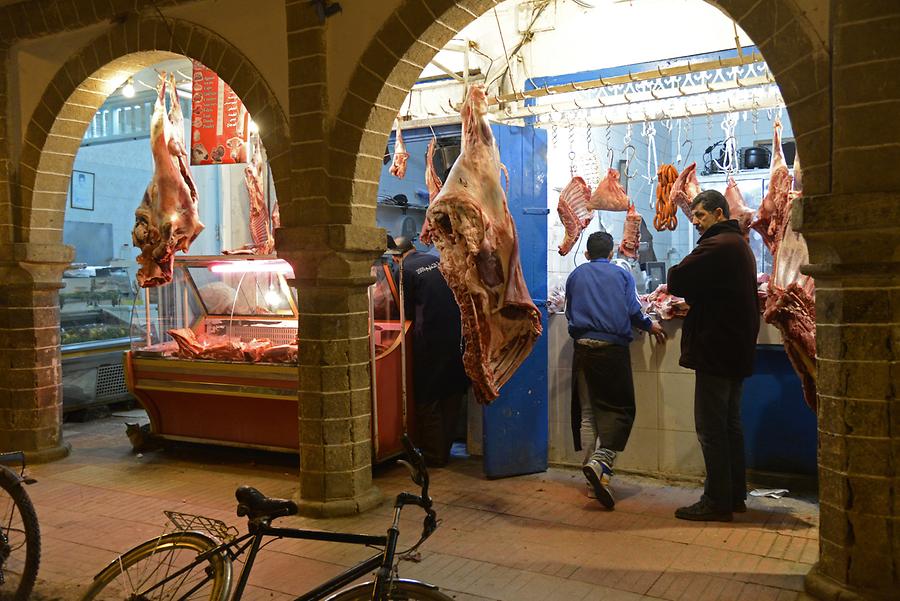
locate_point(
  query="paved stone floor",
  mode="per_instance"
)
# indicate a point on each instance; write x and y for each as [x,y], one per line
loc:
[533,537]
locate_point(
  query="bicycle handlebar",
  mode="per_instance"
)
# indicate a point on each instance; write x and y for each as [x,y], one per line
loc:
[419,474]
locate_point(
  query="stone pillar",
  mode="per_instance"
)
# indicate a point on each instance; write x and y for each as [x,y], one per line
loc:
[854,241]
[335,403]
[31,389]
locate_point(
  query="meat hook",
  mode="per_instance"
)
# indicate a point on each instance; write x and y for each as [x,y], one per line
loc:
[628,159]
[690,146]
[610,154]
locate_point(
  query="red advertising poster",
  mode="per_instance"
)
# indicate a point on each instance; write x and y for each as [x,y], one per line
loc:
[219,121]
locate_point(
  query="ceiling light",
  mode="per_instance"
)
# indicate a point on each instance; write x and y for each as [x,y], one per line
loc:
[128,88]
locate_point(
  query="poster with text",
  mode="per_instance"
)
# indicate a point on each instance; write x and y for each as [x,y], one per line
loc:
[219,121]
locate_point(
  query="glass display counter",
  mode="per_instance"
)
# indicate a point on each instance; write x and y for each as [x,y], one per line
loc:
[214,356]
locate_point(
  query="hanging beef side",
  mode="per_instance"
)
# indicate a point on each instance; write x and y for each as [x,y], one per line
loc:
[434,184]
[167,218]
[476,236]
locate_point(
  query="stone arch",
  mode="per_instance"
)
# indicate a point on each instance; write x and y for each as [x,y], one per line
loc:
[54,132]
[414,34]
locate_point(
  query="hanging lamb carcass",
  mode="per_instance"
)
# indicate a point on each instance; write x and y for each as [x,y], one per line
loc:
[167,218]
[471,226]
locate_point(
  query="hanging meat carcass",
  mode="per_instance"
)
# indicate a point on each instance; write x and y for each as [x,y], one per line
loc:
[261,232]
[434,184]
[167,219]
[476,236]
[774,206]
[685,188]
[401,156]
[609,194]
[631,235]
[791,298]
[736,207]
[574,212]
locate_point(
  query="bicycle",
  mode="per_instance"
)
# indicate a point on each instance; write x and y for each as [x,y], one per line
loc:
[195,561]
[20,536]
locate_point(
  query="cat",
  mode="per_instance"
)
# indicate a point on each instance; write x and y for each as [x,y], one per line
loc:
[141,438]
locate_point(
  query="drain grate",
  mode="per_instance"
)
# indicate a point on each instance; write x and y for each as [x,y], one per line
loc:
[110,382]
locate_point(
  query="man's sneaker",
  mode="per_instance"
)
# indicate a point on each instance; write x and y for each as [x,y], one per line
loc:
[739,507]
[702,511]
[598,474]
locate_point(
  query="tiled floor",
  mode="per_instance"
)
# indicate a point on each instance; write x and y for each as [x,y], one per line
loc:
[533,537]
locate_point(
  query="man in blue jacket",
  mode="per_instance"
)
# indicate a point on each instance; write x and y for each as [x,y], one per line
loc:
[718,341]
[602,309]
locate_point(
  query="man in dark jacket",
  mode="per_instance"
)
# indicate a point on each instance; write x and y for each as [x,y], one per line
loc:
[718,341]
[439,377]
[602,309]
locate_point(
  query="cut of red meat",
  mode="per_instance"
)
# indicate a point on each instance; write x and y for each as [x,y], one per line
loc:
[574,211]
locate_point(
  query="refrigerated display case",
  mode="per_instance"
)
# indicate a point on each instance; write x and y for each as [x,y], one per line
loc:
[214,357]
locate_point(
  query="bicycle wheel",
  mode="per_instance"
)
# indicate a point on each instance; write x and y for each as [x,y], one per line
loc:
[20,539]
[153,571]
[401,590]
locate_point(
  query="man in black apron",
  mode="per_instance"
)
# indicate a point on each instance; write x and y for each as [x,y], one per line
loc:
[439,378]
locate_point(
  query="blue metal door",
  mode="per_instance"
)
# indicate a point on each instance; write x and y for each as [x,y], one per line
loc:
[516,423]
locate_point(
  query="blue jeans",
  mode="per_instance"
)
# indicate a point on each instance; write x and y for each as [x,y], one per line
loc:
[717,419]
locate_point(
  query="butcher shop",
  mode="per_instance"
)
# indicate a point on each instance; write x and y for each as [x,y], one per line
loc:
[615,133]
[575,133]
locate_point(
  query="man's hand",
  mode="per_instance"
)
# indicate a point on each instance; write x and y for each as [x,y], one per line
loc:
[658,332]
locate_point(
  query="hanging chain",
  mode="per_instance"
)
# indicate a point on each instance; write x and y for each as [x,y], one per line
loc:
[648,130]
[554,134]
[754,114]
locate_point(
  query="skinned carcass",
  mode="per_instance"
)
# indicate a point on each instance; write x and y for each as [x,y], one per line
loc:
[631,234]
[609,194]
[434,184]
[167,219]
[476,236]
[685,188]
[773,210]
[401,156]
[261,232]
[737,209]
[574,212]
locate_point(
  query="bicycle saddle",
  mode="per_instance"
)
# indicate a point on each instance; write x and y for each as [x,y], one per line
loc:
[254,504]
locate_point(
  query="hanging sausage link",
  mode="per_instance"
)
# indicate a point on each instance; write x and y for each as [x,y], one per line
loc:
[666,208]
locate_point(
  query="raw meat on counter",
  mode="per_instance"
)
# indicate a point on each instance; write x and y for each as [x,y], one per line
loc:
[663,304]
[262,240]
[774,211]
[167,219]
[398,164]
[609,195]
[434,184]
[631,235]
[574,212]
[476,236]
[736,207]
[685,188]
[220,348]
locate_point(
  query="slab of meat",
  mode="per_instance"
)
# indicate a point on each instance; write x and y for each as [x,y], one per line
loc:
[609,195]
[476,236]
[736,207]
[791,302]
[574,211]
[685,188]
[631,235]
[434,184]
[772,210]
[665,305]
[167,218]
[262,240]
[221,348]
[398,164]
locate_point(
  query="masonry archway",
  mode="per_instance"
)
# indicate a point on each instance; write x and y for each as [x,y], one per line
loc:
[52,138]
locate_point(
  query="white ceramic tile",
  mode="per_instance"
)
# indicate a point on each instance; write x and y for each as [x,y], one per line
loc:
[645,399]
[676,402]
[641,452]
[562,449]
[679,453]
[769,334]
[643,353]
[669,353]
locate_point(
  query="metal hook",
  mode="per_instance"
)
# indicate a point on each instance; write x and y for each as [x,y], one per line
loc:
[610,154]
[690,146]
[628,159]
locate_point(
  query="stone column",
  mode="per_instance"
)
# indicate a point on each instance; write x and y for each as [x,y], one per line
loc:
[31,389]
[854,241]
[335,403]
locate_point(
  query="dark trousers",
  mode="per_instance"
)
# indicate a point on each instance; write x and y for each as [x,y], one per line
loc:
[717,418]
[602,377]
[436,424]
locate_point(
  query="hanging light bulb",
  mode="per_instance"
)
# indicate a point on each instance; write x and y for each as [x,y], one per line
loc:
[128,88]
[273,299]
[253,127]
